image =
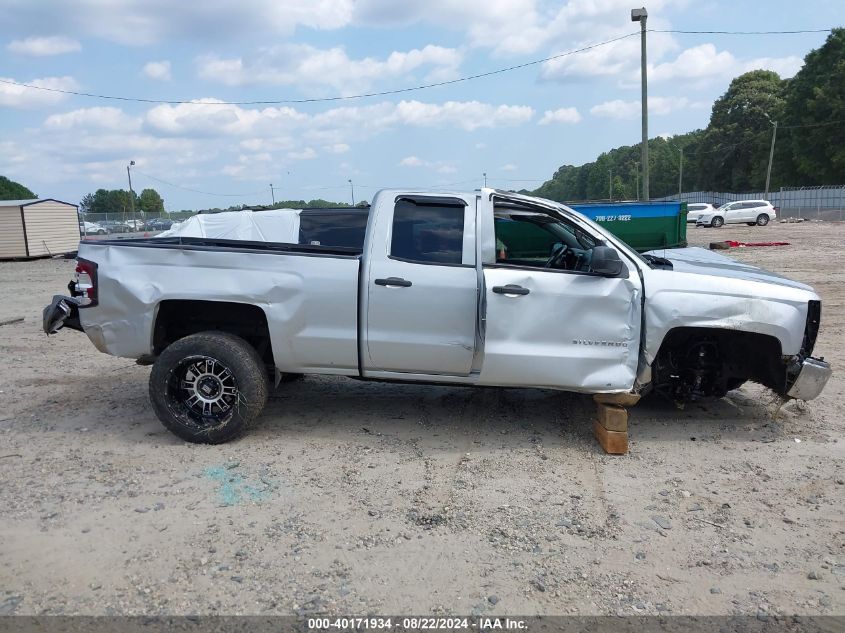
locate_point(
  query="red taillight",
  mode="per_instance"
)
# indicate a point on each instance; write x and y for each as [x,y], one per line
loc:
[86,281]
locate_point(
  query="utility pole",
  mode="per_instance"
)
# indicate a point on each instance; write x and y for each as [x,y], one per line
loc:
[352,191]
[272,194]
[131,195]
[638,179]
[485,178]
[641,16]
[610,185]
[681,174]
[771,157]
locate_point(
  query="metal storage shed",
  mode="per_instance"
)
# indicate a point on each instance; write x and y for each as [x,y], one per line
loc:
[35,228]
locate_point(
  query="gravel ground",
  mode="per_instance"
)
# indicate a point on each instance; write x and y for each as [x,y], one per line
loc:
[352,497]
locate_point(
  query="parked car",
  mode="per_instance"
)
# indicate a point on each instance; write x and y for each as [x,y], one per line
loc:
[158,224]
[696,209]
[750,212]
[92,228]
[115,226]
[475,288]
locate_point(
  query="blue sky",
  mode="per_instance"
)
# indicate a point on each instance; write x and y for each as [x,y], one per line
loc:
[518,127]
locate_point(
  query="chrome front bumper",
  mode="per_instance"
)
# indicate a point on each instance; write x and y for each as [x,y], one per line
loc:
[812,377]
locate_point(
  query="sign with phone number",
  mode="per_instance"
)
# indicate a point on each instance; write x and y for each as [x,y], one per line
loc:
[612,218]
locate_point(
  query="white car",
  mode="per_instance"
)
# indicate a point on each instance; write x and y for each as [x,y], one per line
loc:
[750,212]
[696,209]
[92,228]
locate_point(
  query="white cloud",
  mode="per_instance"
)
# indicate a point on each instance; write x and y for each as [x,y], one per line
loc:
[21,97]
[441,167]
[500,24]
[411,161]
[160,71]
[509,167]
[99,118]
[466,115]
[44,46]
[209,117]
[657,106]
[136,23]
[337,148]
[304,65]
[304,154]
[561,115]
[701,64]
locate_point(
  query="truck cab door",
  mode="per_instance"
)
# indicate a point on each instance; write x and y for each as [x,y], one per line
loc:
[421,288]
[554,327]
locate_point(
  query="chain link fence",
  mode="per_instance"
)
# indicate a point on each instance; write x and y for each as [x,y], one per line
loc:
[811,203]
[122,223]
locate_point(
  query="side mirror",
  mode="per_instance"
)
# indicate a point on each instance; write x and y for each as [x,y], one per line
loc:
[605,261]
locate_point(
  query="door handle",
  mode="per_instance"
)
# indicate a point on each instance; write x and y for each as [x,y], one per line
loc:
[394,282]
[510,289]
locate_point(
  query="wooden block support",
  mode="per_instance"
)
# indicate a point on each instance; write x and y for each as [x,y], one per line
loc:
[613,442]
[622,399]
[612,417]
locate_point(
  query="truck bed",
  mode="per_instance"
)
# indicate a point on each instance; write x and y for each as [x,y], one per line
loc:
[308,293]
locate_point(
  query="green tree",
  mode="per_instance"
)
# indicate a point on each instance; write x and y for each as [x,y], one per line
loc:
[740,131]
[108,201]
[816,102]
[11,190]
[151,202]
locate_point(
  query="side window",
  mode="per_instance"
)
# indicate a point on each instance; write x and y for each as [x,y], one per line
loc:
[523,241]
[427,234]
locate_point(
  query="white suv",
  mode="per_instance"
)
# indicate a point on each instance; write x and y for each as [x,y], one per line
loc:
[696,209]
[750,212]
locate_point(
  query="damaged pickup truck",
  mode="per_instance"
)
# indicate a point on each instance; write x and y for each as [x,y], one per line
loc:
[470,288]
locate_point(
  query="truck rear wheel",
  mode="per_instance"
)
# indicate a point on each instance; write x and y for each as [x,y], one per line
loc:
[208,387]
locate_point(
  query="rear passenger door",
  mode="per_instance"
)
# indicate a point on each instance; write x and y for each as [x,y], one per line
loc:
[422,287]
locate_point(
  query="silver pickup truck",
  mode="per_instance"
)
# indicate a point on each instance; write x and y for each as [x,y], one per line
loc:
[469,288]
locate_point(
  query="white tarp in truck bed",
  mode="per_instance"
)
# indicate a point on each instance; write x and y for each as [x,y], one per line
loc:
[276,225]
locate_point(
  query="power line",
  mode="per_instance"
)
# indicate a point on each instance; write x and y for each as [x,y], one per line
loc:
[206,193]
[382,93]
[739,32]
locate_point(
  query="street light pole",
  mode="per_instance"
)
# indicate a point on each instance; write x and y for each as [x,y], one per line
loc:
[681,174]
[641,16]
[352,191]
[637,171]
[131,195]
[485,178]
[771,157]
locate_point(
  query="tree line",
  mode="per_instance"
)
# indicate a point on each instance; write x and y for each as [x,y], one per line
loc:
[732,152]
[11,190]
[122,201]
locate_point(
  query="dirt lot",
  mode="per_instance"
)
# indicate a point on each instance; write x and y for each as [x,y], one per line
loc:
[352,497]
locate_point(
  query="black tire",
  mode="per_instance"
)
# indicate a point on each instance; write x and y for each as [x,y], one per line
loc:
[717,222]
[762,219]
[216,363]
